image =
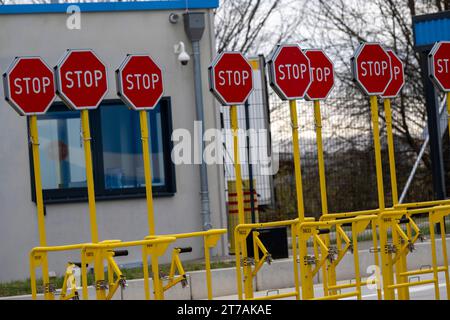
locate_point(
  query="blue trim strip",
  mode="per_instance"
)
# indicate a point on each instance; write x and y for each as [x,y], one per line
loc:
[109,6]
[429,32]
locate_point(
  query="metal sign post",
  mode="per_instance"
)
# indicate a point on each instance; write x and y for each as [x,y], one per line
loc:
[30,90]
[140,86]
[392,91]
[371,68]
[322,84]
[231,82]
[82,83]
[290,77]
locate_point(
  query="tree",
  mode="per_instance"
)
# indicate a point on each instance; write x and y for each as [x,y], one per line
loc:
[340,25]
[256,26]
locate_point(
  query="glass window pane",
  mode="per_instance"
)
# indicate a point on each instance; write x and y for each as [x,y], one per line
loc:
[122,147]
[61,151]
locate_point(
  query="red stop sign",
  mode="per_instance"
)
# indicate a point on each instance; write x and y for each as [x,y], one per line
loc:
[289,72]
[140,82]
[371,68]
[231,78]
[29,86]
[81,79]
[398,76]
[439,65]
[322,72]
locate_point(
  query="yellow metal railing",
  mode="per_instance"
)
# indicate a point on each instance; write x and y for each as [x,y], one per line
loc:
[98,253]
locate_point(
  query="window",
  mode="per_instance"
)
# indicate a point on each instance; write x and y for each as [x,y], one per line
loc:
[116,149]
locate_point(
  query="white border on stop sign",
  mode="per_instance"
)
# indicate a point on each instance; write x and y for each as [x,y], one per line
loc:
[7,88]
[334,75]
[433,51]
[63,97]
[272,71]
[403,69]
[119,82]
[353,67]
[212,80]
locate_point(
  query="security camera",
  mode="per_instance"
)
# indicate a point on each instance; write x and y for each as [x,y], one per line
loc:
[183,56]
[174,18]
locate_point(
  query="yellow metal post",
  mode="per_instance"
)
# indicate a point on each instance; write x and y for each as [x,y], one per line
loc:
[323,186]
[356,259]
[98,260]
[432,225]
[149,194]
[248,278]
[297,164]
[39,203]
[390,136]
[401,265]
[376,140]
[445,255]
[147,171]
[295,260]
[329,274]
[208,268]
[376,258]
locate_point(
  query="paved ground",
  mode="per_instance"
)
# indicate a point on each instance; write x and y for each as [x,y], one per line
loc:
[423,292]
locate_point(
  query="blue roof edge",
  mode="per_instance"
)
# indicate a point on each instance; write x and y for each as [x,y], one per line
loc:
[109,6]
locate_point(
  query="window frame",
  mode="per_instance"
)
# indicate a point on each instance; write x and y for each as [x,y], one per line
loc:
[73,195]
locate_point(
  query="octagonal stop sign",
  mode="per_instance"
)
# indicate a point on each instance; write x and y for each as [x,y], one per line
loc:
[231,78]
[322,72]
[81,79]
[439,65]
[398,76]
[289,72]
[29,86]
[371,68]
[139,82]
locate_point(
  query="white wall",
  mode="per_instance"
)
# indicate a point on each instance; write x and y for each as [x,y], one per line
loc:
[112,35]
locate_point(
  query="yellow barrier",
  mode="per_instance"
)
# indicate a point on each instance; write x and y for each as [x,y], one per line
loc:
[324,253]
[395,252]
[93,252]
[241,232]
[210,239]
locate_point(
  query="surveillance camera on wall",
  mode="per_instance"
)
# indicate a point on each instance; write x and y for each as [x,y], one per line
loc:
[174,18]
[183,56]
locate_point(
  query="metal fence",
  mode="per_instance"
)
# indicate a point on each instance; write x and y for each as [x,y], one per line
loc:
[349,157]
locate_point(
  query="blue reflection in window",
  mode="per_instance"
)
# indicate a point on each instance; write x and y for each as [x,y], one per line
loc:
[122,147]
[61,151]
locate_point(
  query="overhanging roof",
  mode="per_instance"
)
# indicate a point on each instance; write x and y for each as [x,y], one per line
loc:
[110,6]
[431,28]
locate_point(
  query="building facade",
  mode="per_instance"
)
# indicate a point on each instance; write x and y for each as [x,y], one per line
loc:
[112,30]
